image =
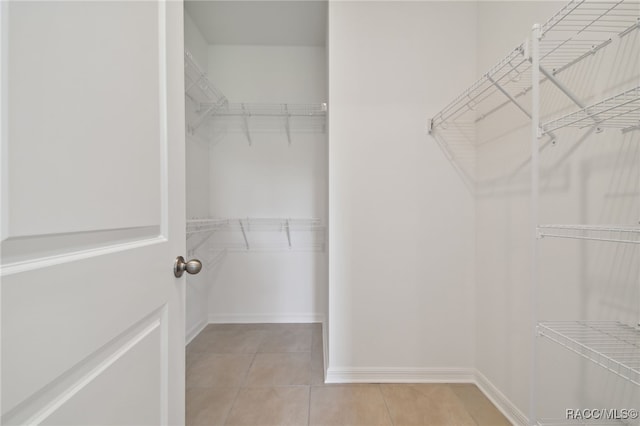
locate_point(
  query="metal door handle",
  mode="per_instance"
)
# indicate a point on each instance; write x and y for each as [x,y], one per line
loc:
[192,267]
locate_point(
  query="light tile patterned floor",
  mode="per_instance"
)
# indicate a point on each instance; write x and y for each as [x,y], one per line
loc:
[272,374]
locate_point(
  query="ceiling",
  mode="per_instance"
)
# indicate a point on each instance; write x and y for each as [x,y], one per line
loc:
[266,22]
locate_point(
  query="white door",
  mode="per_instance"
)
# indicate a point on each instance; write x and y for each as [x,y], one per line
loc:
[92,213]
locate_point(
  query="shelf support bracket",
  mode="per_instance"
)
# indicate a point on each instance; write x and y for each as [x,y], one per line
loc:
[203,117]
[288,127]
[245,126]
[564,89]
[508,95]
[202,241]
[244,234]
[288,232]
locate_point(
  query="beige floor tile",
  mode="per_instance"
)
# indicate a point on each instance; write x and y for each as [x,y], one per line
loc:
[280,369]
[317,368]
[287,405]
[348,405]
[190,358]
[478,405]
[286,339]
[219,370]
[316,338]
[227,341]
[209,406]
[425,404]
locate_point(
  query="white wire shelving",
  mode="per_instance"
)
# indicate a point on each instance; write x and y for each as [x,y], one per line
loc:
[612,345]
[207,104]
[621,111]
[454,127]
[612,233]
[205,98]
[259,234]
[257,117]
[583,27]
[507,72]
[576,32]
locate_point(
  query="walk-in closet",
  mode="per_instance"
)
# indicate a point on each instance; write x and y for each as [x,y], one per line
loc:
[301,212]
[256,161]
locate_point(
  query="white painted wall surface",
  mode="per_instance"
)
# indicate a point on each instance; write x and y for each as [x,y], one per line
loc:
[401,295]
[585,280]
[197,192]
[195,42]
[270,178]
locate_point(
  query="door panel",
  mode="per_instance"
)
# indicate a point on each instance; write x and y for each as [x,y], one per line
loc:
[93,213]
[84,83]
[136,404]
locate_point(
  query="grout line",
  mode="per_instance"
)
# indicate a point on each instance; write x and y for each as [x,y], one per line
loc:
[233,403]
[385,403]
[309,410]
[246,376]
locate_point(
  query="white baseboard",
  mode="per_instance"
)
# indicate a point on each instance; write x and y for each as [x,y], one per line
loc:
[400,375]
[506,407]
[194,331]
[264,318]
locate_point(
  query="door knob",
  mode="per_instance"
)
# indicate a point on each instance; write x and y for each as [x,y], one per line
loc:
[192,267]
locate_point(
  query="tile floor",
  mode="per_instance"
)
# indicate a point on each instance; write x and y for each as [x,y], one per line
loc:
[272,374]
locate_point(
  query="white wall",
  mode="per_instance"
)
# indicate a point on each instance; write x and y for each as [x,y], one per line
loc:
[270,178]
[401,295]
[197,192]
[195,42]
[574,276]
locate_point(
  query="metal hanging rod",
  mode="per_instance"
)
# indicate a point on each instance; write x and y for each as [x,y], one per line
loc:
[616,234]
[273,110]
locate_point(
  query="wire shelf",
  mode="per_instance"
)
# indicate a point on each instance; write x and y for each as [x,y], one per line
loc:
[256,234]
[205,97]
[583,27]
[273,110]
[507,71]
[198,88]
[621,111]
[454,127]
[612,345]
[199,226]
[578,30]
[252,117]
[616,234]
